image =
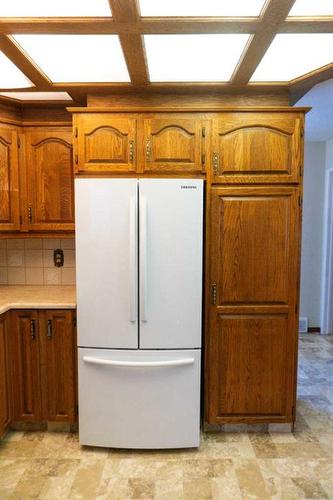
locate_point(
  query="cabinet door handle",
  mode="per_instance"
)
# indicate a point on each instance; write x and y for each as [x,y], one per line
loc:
[33,329]
[30,214]
[214,294]
[131,151]
[216,161]
[49,329]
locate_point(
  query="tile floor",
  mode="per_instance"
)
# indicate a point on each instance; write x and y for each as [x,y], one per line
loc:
[242,465]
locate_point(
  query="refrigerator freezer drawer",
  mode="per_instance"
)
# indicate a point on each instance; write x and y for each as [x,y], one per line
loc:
[139,399]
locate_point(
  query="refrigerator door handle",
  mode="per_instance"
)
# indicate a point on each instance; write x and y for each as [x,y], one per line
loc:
[132,257]
[138,364]
[143,258]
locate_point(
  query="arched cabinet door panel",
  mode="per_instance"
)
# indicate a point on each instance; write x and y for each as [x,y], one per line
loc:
[50,179]
[9,181]
[173,145]
[105,144]
[257,148]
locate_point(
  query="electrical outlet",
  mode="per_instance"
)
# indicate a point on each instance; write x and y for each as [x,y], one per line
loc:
[58,257]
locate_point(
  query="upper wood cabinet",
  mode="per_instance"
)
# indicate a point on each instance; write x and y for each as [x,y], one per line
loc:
[49,179]
[173,145]
[252,295]
[257,148]
[5,393]
[105,144]
[9,180]
[57,361]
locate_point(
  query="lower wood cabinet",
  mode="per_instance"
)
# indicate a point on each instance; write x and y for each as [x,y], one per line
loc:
[5,401]
[252,303]
[44,368]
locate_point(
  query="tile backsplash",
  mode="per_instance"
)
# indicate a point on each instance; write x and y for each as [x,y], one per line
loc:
[30,261]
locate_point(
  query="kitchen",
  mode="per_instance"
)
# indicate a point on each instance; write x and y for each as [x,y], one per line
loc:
[150,237]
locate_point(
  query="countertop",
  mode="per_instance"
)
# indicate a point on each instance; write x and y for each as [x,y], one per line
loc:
[36,297]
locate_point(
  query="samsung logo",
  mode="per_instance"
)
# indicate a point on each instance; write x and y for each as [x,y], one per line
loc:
[188,187]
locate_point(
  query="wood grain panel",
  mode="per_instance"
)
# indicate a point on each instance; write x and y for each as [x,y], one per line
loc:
[50,179]
[26,374]
[252,367]
[173,145]
[9,181]
[57,342]
[5,393]
[256,148]
[105,144]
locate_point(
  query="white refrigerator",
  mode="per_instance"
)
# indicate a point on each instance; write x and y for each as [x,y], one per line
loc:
[139,306]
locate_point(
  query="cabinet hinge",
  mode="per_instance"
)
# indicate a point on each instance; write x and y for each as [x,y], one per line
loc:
[300,201]
[74,321]
[75,132]
[203,158]
[76,410]
[76,159]
[30,214]
[302,132]
[18,142]
[203,132]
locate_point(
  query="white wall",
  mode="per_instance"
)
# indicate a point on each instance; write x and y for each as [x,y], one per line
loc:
[329,154]
[312,238]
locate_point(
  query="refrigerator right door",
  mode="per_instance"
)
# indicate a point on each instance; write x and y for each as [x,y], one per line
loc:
[171,231]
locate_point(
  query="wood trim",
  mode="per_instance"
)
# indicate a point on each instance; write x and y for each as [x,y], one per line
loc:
[185,109]
[132,44]
[163,25]
[275,12]
[22,61]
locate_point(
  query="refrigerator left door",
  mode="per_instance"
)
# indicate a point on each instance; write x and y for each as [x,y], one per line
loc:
[106,218]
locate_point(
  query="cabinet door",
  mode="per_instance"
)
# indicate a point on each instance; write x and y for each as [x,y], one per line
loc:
[9,182]
[50,179]
[173,145]
[105,144]
[57,342]
[4,377]
[254,269]
[26,375]
[257,148]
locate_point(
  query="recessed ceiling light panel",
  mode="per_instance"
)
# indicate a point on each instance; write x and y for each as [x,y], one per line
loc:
[293,55]
[199,8]
[193,58]
[58,8]
[10,76]
[37,96]
[312,8]
[77,58]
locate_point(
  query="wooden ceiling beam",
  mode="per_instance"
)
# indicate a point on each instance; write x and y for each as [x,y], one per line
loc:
[274,14]
[132,43]
[23,62]
[300,86]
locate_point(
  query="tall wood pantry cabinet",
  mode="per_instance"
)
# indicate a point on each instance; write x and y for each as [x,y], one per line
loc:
[253,242]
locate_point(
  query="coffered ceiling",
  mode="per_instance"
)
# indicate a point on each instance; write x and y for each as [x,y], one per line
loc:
[57,51]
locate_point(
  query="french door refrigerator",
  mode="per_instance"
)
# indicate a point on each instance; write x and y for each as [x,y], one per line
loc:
[139,303]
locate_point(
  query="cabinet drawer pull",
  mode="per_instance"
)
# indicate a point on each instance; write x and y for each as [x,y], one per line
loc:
[49,329]
[33,329]
[131,151]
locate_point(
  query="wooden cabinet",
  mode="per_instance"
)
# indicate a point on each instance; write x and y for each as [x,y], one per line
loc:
[26,372]
[105,144]
[43,365]
[251,303]
[57,361]
[257,148]
[9,180]
[5,403]
[49,179]
[173,145]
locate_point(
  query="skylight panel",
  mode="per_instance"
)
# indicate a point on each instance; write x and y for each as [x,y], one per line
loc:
[199,8]
[292,55]
[10,76]
[193,58]
[55,8]
[312,8]
[37,96]
[77,58]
